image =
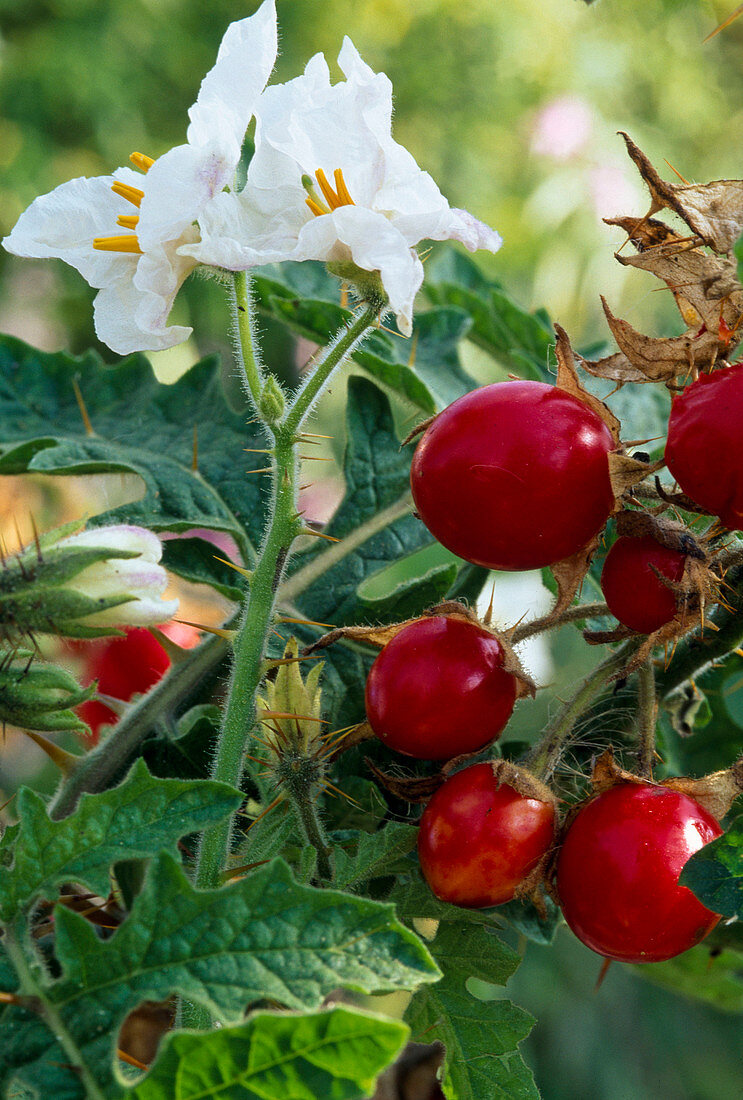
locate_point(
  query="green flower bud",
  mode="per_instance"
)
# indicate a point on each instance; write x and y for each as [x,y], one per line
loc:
[271,403]
[36,695]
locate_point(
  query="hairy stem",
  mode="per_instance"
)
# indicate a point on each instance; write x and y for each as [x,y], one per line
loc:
[543,757]
[647,716]
[31,987]
[245,351]
[305,807]
[250,644]
[546,622]
[341,347]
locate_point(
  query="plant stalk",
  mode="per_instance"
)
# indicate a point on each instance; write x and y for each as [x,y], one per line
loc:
[32,988]
[543,757]
[647,717]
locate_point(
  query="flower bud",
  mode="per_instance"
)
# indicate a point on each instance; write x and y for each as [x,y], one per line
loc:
[35,695]
[271,403]
[85,584]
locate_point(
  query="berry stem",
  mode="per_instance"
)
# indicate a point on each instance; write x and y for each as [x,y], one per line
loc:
[542,759]
[647,716]
[547,622]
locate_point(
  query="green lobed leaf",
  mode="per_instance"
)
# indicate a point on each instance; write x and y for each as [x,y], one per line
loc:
[264,937]
[140,427]
[715,872]
[133,820]
[335,1055]
[481,1037]
[374,854]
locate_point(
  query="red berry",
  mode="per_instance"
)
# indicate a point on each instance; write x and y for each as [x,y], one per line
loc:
[439,689]
[123,667]
[479,839]
[618,873]
[704,442]
[514,475]
[635,595]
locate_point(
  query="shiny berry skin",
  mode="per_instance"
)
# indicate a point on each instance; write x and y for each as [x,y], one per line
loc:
[618,871]
[479,840]
[514,475]
[439,689]
[703,451]
[635,595]
[123,667]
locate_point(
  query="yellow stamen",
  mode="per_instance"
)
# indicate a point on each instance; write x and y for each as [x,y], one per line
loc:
[340,197]
[315,207]
[117,244]
[141,161]
[131,194]
[340,186]
[329,194]
[128,221]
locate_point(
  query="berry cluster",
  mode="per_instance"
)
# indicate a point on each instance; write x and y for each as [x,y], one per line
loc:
[514,476]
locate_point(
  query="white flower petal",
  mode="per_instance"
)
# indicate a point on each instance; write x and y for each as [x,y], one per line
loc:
[372,243]
[64,223]
[119,536]
[226,99]
[140,612]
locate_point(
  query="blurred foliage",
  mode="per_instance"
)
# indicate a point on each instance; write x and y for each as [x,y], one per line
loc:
[512,107]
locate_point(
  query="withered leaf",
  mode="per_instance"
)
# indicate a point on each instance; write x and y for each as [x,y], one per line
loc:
[567,380]
[662,360]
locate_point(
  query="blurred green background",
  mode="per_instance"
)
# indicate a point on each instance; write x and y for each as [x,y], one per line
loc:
[513,106]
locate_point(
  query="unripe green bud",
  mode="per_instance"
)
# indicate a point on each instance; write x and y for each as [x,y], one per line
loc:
[39,696]
[271,403]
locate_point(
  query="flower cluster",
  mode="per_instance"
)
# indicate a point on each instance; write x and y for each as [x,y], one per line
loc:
[327,182]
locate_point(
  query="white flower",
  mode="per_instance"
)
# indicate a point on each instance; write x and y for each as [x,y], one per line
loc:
[138,272]
[328,182]
[138,582]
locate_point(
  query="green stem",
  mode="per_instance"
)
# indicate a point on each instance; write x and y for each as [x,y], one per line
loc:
[97,768]
[245,352]
[31,987]
[647,716]
[250,643]
[341,347]
[543,757]
[305,807]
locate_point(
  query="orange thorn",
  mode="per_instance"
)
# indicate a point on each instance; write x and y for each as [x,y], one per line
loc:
[676,171]
[725,23]
[228,635]
[130,1060]
[284,714]
[81,406]
[319,535]
[602,974]
[302,622]
[238,568]
[64,760]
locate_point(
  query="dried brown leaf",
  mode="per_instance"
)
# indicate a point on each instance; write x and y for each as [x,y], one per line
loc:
[663,360]
[567,380]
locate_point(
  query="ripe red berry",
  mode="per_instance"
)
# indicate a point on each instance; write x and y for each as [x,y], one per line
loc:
[703,447]
[514,475]
[635,594]
[439,689]
[123,667]
[618,873]
[479,839]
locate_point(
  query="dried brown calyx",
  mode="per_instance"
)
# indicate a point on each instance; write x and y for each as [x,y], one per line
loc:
[715,792]
[698,587]
[704,283]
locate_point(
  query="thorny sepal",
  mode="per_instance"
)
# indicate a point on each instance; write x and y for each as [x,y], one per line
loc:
[715,792]
[700,585]
[528,786]
[292,730]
